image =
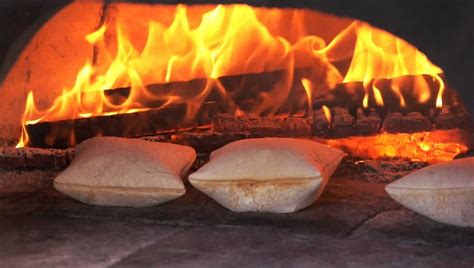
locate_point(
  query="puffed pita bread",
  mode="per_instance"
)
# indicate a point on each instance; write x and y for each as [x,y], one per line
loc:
[443,192]
[111,171]
[279,175]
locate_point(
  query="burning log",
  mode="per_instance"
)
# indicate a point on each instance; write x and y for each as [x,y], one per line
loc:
[66,133]
[226,129]
[352,94]
[34,158]
[244,87]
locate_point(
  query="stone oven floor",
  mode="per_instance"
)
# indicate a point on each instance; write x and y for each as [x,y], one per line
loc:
[353,224]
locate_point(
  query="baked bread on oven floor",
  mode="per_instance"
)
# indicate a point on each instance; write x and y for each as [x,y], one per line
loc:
[443,192]
[279,175]
[111,171]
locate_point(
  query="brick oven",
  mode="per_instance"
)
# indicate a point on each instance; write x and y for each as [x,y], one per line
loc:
[386,83]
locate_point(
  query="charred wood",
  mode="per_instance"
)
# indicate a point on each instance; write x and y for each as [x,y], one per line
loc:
[247,91]
[244,88]
[410,123]
[367,125]
[351,95]
[67,133]
[343,123]
[320,123]
[172,119]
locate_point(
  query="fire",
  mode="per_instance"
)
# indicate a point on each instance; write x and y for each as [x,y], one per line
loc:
[380,55]
[95,36]
[210,42]
[327,114]
[430,147]
[308,88]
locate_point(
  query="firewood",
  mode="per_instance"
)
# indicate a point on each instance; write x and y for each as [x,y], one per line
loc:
[244,87]
[367,125]
[342,123]
[67,133]
[351,95]
[345,94]
[320,123]
[245,90]
[410,123]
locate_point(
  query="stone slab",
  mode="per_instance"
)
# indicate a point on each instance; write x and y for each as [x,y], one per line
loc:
[345,204]
[260,247]
[58,242]
[409,227]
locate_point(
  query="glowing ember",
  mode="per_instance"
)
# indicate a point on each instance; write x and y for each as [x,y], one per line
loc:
[430,147]
[214,41]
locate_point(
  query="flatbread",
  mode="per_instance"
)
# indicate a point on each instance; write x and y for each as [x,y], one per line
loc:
[111,171]
[443,192]
[279,175]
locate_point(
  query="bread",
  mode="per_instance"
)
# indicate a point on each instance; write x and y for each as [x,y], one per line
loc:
[111,171]
[443,192]
[279,175]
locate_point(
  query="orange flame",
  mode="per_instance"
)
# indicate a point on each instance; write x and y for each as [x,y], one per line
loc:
[396,89]
[327,114]
[199,42]
[379,55]
[95,36]
[308,88]
[378,96]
